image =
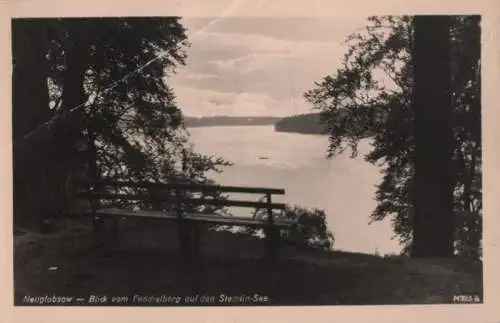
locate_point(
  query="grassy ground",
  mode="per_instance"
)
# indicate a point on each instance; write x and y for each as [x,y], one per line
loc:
[145,261]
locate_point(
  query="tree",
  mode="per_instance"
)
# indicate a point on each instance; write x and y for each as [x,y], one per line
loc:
[434,146]
[311,230]
[304,123]
[108,89]
[31,100]
[371,94]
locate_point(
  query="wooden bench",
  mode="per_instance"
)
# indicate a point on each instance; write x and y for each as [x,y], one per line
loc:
[189,205]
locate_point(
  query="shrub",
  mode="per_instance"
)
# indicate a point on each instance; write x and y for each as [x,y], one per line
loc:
[311,230]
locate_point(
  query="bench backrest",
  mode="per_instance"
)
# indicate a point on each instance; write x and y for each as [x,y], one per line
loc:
[181,194]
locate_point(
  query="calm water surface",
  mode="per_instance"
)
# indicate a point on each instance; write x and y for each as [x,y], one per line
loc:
[341,186]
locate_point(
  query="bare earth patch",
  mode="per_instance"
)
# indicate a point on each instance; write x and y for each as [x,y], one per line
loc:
[145,261]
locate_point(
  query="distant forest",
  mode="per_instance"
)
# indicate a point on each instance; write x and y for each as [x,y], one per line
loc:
[229,121]
[308,123]
[304,123]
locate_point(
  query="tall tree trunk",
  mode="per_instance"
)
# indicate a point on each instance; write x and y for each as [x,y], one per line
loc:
[68,130]
[30,109]
[433,225]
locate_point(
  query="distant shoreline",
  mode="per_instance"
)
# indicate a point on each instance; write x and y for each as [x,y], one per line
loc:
[303,124]
[217,121]
[307,124]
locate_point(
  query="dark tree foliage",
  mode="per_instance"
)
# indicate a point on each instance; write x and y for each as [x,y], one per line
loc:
[113,113]
[31,108]
[303,123]
[372,93]
[311,230]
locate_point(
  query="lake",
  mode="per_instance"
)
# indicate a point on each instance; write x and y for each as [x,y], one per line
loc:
[343,187]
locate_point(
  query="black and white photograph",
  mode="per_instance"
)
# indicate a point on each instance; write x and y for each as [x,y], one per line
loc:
[175,161]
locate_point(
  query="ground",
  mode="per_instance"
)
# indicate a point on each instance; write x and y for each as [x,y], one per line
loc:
[145,262]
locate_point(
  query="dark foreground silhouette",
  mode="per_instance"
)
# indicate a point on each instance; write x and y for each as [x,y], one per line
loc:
[145,263]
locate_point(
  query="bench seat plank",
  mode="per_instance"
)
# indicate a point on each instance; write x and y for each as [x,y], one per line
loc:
[137,214]
[188,201]
[208,218]
[236,220]
[186,186]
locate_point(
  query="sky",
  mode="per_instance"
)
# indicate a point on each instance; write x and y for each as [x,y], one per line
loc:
[253,66]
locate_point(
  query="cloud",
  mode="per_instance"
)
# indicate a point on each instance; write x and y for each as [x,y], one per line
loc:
[259,43]
[279,75]
[198,102]
[193,75]
[290,28]
[249,63]
[238,67]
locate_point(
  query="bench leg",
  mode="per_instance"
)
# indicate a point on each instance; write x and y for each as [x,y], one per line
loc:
[190,243]
[116,227]
[184,241]
[277,244]
[196,227]
[96,223]
[273,238]
[99,228]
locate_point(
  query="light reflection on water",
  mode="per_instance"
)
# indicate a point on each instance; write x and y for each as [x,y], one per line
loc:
[342,186]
